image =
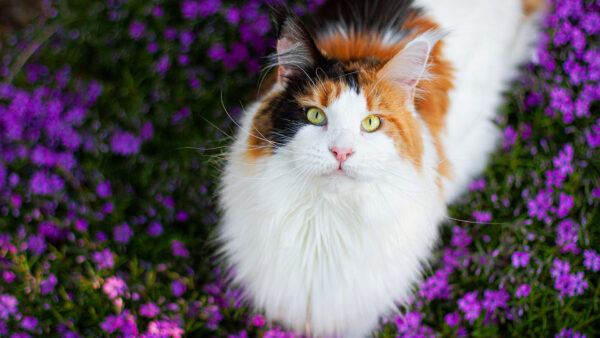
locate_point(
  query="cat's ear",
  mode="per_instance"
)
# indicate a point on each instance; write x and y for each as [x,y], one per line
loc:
[409,65]
[296,50]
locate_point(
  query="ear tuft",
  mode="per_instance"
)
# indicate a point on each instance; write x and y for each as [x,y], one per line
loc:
[296,49]
[409,65]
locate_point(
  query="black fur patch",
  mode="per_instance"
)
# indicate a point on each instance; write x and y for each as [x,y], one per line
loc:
[363,15]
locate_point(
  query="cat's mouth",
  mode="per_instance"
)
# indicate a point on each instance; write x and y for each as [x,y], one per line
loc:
[339,172]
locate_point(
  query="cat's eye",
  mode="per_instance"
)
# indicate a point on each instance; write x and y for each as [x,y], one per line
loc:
[316,116]
[371,123]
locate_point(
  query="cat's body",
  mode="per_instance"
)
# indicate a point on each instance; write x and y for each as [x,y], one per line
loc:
[325,223]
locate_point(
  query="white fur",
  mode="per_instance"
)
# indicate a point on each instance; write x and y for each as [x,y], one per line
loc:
[312,247]
[333,251]
[487,41]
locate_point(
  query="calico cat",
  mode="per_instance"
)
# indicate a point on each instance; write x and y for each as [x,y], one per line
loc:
[340,174]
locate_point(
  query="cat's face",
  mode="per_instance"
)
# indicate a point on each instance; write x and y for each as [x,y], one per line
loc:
[341,122]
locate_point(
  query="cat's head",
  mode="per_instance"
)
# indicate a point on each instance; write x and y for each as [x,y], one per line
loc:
[336,115]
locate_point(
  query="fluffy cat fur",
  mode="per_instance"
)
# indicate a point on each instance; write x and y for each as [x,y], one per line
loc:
[327,244]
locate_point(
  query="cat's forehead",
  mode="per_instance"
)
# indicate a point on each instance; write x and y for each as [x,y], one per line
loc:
[327,87]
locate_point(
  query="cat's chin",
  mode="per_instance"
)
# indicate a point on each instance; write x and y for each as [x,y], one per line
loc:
[338,181]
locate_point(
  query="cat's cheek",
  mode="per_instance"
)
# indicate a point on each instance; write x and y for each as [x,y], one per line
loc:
[309,153]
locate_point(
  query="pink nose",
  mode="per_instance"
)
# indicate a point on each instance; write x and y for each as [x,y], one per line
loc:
[341,154]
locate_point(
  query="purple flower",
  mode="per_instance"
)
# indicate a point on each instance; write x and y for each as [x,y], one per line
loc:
[510,137]
[170,33]
[124,322]
[182,216]
[409,323]
[493,300]
[124,143]
[539,206]
[186,38]
[567,236]
[44,183]
[559,268]
[48,284]
[258,321]
[183,59]
[147,131]
[155,229]
[152,47]
[8,276]
[179,249]
[103,190]
[591,260]
[190,9]
[478,184]
[81,224]
[3,328]
[29,323]
[2,176]
[520,259]
[157,12]
[523,291]
[563,160]
[114,287]
[36,244]
[137,30]
[470,306]
[452,319]
[123,233]
[592,135]
[233,15]
[460,238]
[435,286]
[560,99]
[216,52]
[568,284]
[208,7]
[239,52]
[564,333]
[51,231]
[482,216]
[162,65]
[8,305]
[149,310]
[177,288]
[590,22]
[181,115]
[566,203]
[104,259]
[43,156]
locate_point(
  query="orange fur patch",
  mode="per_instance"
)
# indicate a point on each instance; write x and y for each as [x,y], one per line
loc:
[322,95]
[356,46]
[531,6]
[387,101]
[262,124]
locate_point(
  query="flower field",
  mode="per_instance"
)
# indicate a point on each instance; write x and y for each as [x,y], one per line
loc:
[115,117]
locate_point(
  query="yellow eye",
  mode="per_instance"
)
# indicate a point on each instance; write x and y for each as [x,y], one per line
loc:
[371,123]
[316,116]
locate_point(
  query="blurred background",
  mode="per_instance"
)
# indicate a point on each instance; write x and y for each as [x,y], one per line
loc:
[115,118]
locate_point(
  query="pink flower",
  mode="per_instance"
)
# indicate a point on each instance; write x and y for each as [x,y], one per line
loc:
[520,259]
[149,310]
[114,287]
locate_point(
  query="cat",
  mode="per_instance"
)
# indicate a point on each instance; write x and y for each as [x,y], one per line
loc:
[340,174]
